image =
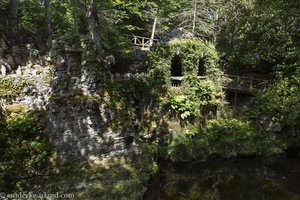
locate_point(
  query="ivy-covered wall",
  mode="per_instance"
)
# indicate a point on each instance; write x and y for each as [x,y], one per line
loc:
[195,98]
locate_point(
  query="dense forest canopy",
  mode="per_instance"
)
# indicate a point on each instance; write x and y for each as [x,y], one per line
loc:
[248,33]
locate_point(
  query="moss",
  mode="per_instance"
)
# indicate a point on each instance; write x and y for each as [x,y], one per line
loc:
[17,108]
[122,100]
[11,87]
[86,99]
[78,99]
[47,78]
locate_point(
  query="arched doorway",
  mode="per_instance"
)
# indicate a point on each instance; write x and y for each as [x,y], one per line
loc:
[176,71]
[201,67]
[176,66]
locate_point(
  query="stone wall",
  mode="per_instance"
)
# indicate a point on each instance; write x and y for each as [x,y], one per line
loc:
[79,119]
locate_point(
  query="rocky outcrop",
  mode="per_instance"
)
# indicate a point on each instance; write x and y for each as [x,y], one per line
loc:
[32,85]
[19,50]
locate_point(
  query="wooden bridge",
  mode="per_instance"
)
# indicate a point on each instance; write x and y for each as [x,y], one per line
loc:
[242,84]
[143,42]
[233,83]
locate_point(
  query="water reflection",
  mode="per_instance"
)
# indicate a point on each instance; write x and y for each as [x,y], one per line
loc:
[276,178]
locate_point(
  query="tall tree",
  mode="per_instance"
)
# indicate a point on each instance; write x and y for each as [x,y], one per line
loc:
[13,14]
[93,24]
[75,15]
[198,16]
[48,21]
[160,14]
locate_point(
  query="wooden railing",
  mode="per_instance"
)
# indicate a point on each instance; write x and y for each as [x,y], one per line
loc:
[232,83]
[244,84]
[143,42]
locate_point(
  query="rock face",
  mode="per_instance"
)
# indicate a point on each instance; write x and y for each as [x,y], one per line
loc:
[20,49]
[176,34]
[35,90]
[78,117]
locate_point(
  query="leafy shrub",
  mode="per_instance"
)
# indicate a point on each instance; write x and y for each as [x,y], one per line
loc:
[180,106]
[281,100]
[197,101]
[24,150]
[226,137]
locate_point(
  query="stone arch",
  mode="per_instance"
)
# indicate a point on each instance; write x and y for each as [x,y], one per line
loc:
[176,66]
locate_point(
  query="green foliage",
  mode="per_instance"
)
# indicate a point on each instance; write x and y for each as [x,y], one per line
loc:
[191,133]
[62,21]
[24,151]
[11,87]
[190,51]
[3,12]
[181,106]
[227,138]
[201,12]
[134,106]
[31,14]
[122,102]
[261,34]
[281,99]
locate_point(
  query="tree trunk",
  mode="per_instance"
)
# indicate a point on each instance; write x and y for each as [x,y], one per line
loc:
[48,21]
[194,17]
[94,27]
[13,14]
[75,16]
[153,30]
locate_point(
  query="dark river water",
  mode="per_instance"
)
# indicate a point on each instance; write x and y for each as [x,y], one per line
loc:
[273,178]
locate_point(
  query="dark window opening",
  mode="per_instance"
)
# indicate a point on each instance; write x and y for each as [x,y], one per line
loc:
[201,68]
[176,66]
